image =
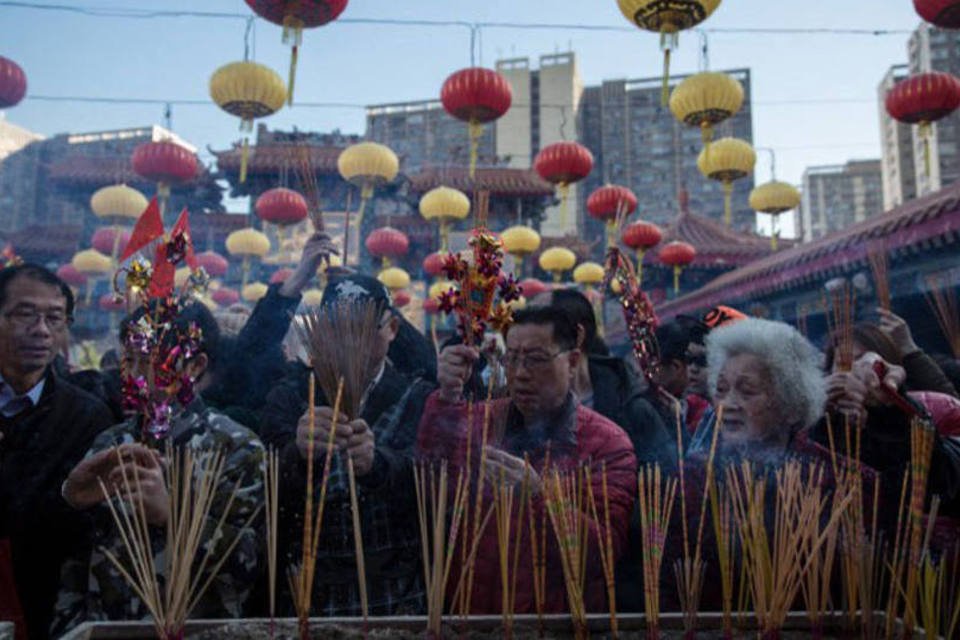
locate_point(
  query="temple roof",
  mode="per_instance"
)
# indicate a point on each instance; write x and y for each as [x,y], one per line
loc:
[271,158]
[46,240]
[501,181]
[717,245]
[98,171]
[931,221]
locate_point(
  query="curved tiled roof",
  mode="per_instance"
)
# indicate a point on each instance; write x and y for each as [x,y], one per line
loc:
[93,170]
[717,246]
[933,220]
[500,181]
[42,239]
[274,157]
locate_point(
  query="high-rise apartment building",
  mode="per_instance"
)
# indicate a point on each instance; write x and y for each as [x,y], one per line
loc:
[14,138]
[634,139]
[836,196]
[636,142]
[896,139]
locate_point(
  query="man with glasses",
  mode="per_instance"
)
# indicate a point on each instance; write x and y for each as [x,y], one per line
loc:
[46,425]
[540,420]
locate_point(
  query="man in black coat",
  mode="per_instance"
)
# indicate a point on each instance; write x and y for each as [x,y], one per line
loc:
[46,425]
[381,445]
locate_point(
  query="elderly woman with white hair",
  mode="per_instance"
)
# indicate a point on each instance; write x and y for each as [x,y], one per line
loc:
[765,379]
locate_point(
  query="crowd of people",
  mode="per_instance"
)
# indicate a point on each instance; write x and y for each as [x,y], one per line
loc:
[548,392]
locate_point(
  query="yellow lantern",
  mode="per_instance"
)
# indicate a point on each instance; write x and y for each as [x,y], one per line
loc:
[774,198]
[520,241]
[247,243]
[588,273]
[91,262]
[253,291]
[118,201]
[444,204]
[247,90]
[728,159]
[667,18]
[394,278]
[556,260]
[367,165]
[706,99]
[312,297]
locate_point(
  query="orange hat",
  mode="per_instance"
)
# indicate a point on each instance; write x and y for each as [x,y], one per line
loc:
[722,315]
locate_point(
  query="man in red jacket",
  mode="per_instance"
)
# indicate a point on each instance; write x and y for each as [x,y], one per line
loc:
[539,419]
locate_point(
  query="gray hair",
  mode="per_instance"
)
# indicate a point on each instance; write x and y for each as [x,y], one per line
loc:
[792,362]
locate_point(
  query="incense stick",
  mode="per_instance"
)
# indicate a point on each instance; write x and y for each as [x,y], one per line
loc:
[358,543]
[942,298]
[839,311]
[606,549]
[656,503]
[563,497]
[877,257]
[271,485]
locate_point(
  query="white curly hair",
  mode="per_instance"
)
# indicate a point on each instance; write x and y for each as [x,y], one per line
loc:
[791,361]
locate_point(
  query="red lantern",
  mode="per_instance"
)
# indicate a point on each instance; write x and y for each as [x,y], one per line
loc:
[225,296]
[532,287]
[943,13]
[213,263]
[109,240]
[281,207]
[476,95]
[69,274]
[641,236]
[607,201]
[281,275]
[109,302]
[165,163]
[563,163]
[295,16]
[13,83]
[677,254]
[921,99]
[431,306]
[401,298]
[387,243]
[433,263]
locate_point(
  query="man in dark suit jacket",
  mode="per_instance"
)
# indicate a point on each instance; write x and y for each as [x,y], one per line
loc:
[46,425]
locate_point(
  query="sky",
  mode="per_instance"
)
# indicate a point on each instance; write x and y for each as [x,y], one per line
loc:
[815,94]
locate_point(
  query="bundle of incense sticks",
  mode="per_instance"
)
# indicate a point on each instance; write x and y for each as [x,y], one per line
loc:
[358,543]
[722,515]
[877,257]
[898,559]
[508,541]
[271,486]
[192,482]
[778,562]
[656,503]
[437,542]
[840,308]
[565,500]
[922,435]
[538,546]
[607,555]
[301,577]
[688,570]
[942,298]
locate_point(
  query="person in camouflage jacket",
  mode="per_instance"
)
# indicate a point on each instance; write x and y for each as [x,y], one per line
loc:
[91,587]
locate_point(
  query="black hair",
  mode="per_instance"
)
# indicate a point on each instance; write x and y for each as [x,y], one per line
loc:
[564,328]
[672,340]
[193,312]
[39,274]
[576,306]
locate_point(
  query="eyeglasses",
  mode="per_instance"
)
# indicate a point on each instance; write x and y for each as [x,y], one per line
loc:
[535,361]
[27,318]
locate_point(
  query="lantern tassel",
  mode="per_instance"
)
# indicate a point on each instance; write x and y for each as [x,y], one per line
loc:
[475,131]
[245,268]
[774,233]
[925,136]
[668,41]
[564,192]
[116,242]
[640,253]
[727,197]
[676,279]
[611,233]
[518,265]
[444,235]
[243,159]
[366,192]
[292,74]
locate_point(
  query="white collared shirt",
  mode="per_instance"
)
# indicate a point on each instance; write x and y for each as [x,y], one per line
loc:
[12,403]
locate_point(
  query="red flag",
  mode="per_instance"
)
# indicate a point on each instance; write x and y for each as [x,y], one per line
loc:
[149,227]
[183,227]
[164,273]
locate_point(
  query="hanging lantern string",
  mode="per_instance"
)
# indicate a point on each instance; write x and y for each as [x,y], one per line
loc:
[704,51]
[248,39]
